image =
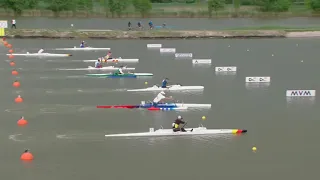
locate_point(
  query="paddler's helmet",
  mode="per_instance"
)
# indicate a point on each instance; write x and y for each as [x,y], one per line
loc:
[179,117]
[162,93]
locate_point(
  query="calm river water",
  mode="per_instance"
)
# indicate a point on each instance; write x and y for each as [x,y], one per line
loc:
[66,131]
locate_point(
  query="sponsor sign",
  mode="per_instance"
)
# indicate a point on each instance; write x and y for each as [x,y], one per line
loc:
[258,79]
[154,45]
[201,61]
[183,55]
[3,24]
[226,69]
[301,93]
[168,50]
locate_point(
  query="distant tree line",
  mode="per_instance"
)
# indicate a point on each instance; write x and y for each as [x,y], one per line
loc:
[117,7]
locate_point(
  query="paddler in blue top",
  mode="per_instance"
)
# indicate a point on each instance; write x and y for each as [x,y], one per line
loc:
[82,45]
[98,64]
[150,25]
[164,83]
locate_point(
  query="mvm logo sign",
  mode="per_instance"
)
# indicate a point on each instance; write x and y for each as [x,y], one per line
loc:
[301,93]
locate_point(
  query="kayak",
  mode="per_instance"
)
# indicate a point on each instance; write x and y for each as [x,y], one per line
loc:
[126,75]
[115,60]
[163,106]
[169,88]
[41,54]
[101,69]
[82,49]
[190,131]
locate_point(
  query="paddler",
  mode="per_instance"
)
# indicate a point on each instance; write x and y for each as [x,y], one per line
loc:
[160,97]
[164,25]
[40,51]
[164,83]
[109,55]
[119,71]
[82,45]
[176,125]
[98,64]
[150,25]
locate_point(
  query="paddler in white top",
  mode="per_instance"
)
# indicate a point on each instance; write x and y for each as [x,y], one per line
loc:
[160,97]
[119,71]
[98,64]
[40,51]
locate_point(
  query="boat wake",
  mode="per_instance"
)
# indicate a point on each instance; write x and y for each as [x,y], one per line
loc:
[64,77]
[208,140]
[16,138]
[51,109]
[81,136]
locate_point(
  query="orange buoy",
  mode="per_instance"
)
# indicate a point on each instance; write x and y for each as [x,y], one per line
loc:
[22,122]
[14,72]
[11,56]
[4,39]
[10,51]
[26,156]
[16,84]
[9,46]
[18,99]
[12,63]
[5,43]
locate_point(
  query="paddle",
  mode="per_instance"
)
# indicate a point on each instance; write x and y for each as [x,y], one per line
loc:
[185,125]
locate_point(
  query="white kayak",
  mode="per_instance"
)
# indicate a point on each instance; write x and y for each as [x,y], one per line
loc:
[41,55]
[181,105]
[169,88]
[82,49]
[190,131]
[101,69]
[115,60]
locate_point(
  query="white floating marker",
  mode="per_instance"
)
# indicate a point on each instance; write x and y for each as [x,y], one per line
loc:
[226,69]
[258,79]
[167,50]
[183,55]
[154,45]
[301,93]
[201,61]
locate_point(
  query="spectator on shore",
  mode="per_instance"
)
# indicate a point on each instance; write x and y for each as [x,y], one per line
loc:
[129,26]
[13,24]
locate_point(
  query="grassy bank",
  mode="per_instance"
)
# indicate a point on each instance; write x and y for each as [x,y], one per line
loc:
[163,34]
[247,32]
[172,10]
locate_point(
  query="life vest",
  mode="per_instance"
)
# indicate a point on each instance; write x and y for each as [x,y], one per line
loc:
[174,125]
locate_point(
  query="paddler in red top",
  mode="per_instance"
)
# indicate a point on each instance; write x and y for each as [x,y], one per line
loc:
[176,125]
[109,55]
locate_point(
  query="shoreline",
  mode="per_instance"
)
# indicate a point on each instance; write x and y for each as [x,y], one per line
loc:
[157,34]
